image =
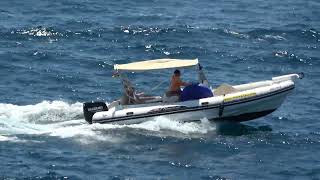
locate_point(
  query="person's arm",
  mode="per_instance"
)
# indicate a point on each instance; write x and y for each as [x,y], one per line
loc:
[186,84]
[183,83]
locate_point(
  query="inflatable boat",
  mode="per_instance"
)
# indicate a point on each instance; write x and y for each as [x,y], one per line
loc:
[225,103]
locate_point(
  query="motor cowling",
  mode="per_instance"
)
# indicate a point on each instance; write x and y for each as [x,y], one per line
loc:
[90,108]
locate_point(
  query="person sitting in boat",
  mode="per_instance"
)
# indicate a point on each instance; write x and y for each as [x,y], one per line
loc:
[176,84]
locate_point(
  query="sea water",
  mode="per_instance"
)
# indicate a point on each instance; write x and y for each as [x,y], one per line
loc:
[55,55]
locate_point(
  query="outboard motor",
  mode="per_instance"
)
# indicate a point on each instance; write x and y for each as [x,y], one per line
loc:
[89,108]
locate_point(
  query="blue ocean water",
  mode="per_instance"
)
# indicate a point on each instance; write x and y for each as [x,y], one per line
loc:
[55,55]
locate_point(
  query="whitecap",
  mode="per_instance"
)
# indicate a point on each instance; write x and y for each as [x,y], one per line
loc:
[166,53]
[276,37]
[237,34]
[40,32]
[281,53]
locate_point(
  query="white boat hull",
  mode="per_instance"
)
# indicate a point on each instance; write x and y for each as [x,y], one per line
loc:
[255,100]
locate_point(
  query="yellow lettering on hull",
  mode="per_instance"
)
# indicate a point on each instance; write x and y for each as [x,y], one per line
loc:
[240,96]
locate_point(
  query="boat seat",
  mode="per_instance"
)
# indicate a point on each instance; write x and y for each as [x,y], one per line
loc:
[170,99]
[149,99]
[139,99]
[224,89]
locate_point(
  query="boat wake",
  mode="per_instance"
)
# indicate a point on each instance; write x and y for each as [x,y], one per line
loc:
[64,120]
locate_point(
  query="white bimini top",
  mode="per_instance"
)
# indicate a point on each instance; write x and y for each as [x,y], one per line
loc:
[156,64]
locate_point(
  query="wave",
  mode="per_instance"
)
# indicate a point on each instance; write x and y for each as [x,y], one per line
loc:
[94,31]
[6,138]
[41,31]
[65,120]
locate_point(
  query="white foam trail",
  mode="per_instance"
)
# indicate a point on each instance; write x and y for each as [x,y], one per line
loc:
[39,118]
[84,133]
[5,138]
[56,118]
[60,119]
[14,139]
[162,123]
[32,119]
